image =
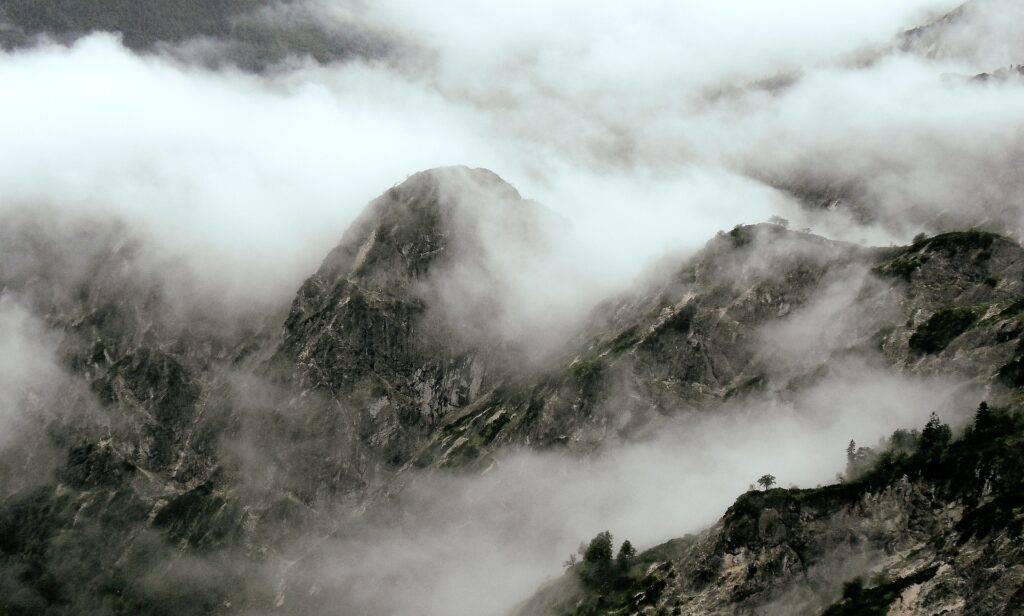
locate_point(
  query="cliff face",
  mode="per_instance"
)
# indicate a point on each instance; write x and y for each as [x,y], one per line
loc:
[181,438]
[933,527]
[367,328]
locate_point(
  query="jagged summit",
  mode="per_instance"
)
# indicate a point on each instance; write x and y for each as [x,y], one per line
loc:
[410,247]
[481,177]
[413,223]
[394,320]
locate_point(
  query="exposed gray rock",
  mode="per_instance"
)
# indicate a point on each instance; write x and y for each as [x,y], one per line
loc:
[187,433]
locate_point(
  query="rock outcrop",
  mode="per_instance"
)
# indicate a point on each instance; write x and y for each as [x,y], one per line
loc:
[181,436]
[932,528]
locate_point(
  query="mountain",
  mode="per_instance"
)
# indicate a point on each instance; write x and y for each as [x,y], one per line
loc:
[932,526]
[928,526]
[191,458]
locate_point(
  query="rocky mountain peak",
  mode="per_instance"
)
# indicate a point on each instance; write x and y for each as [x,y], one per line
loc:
[380,377]
[411,225]
[387,324]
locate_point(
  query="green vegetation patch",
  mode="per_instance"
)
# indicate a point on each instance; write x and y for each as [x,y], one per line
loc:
[1013,309]
[861,601]
[492,427]
[682,320]
[741,235]
[619,583]
[903,266]
[1012,374]
[981,470]
[917,254]
[625,339]
[1005,512]
[987,455]
[957,241]
[942,328]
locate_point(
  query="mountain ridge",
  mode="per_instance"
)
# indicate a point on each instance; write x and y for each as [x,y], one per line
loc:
[227,447]
[932,526]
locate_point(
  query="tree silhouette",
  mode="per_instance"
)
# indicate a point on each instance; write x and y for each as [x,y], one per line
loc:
[626,554]
[935,434]
[599,551]
[982,417]
[597,571]
[859,460]
[766,481]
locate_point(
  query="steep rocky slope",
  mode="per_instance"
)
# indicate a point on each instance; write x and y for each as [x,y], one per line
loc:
[932,527]
[194,445]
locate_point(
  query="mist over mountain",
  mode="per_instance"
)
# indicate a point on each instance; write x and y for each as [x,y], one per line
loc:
[335,307]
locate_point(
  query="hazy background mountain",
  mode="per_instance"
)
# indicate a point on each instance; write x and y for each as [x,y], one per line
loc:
[251,34]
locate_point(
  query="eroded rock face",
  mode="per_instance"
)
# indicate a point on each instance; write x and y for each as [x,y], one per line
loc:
[934,531]
[362,328]
[183,434]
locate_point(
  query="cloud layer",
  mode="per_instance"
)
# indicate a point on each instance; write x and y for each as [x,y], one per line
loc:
[644,127]
[649,127]
[480,544]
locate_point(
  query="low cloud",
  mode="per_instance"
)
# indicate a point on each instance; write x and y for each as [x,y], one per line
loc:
[479,544]
[643,129]
[249,182]
[29,366]
[31,381]
[645,149]
[849,309]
